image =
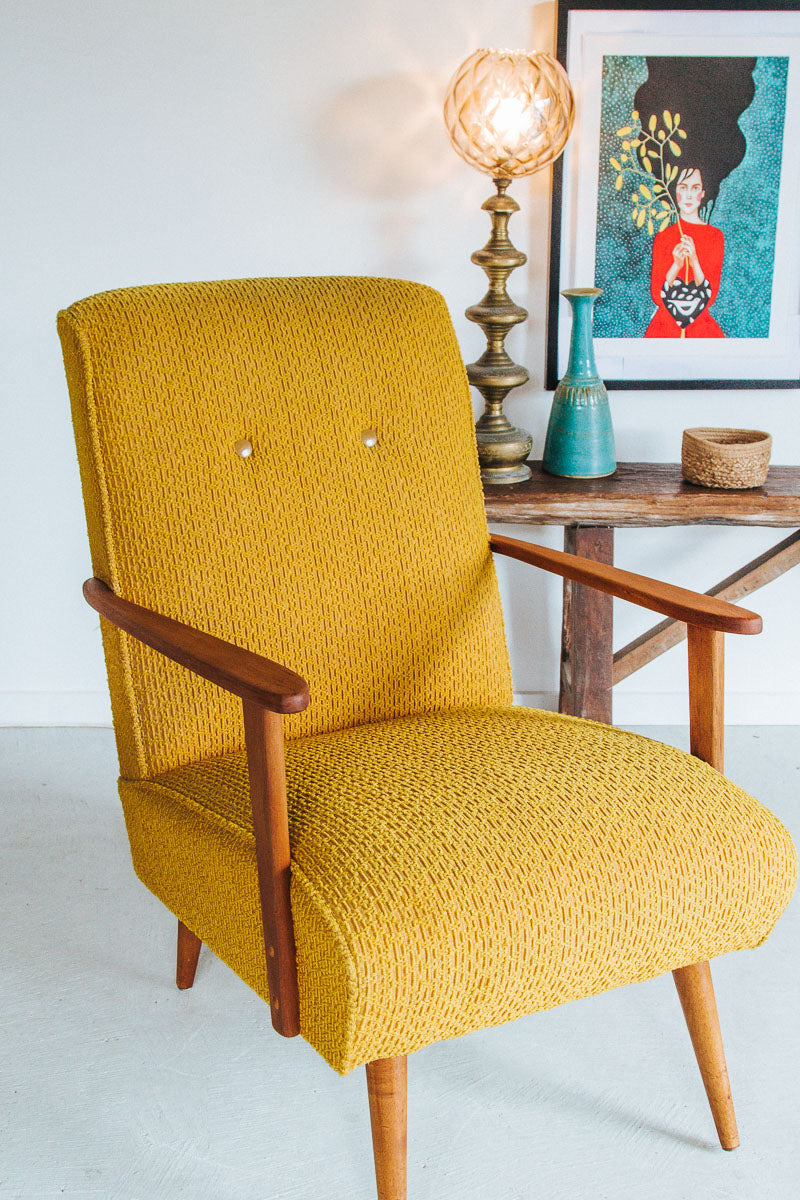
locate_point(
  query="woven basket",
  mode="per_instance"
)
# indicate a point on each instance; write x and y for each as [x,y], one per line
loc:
[726,458]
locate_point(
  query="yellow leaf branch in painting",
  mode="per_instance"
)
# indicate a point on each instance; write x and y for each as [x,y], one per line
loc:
[652,203]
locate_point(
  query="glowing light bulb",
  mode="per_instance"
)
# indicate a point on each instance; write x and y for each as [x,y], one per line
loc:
[509,119]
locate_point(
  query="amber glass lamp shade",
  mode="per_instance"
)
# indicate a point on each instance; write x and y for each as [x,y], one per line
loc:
[509,112]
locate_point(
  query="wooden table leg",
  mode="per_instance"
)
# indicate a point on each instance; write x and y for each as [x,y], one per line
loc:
[587,652]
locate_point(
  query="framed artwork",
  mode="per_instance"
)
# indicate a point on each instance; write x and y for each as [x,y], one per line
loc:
[679,193]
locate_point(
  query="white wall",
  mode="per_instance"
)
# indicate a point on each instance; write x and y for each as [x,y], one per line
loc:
[153,140]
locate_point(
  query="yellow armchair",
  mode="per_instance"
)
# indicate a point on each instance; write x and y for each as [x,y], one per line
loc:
[390,853]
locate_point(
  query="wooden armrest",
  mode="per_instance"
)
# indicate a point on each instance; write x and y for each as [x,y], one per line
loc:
[692,607]
[242,672]
[268,690]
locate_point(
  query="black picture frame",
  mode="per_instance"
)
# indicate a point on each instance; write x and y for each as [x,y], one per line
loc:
[552,347]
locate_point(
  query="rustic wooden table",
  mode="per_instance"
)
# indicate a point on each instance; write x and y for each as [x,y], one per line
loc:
[638,495]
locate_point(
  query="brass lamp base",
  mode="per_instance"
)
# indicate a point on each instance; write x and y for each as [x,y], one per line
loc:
[502,449]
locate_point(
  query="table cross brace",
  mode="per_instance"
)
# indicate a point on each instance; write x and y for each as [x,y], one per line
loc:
[749,578]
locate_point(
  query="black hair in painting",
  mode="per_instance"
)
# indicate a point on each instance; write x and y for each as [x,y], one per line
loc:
[710,94]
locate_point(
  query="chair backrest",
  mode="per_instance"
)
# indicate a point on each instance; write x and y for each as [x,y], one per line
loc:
[365,568]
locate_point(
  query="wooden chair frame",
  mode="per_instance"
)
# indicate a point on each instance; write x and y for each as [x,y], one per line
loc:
[269,690]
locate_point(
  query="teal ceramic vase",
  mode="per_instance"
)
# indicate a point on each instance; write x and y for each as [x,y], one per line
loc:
[580,436]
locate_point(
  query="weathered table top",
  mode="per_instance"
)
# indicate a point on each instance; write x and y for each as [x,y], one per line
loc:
[644,494]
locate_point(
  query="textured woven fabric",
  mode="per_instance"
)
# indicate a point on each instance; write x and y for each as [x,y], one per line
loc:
[458,870]
[456,862]
[366,569]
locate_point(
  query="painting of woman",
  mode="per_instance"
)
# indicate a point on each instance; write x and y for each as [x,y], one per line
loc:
[688,224]
[688,250]
[687,267]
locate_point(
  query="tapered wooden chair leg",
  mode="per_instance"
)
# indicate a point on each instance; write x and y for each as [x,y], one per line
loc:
[696,993]
[386,1085]
[188,953]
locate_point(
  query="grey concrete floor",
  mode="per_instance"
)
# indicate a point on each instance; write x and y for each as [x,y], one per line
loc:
[116,1085]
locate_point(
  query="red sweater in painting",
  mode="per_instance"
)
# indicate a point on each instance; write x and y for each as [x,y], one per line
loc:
[710,244]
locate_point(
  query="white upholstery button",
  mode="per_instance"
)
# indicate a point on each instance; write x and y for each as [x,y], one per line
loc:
[243,448]
[369,437]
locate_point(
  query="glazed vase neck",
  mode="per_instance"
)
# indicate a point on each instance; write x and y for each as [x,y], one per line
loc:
[581,363]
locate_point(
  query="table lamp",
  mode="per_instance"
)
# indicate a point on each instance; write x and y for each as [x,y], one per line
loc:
[508,113]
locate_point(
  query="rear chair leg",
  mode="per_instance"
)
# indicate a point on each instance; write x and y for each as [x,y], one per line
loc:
[696,993]
[386,1086]
[188,953]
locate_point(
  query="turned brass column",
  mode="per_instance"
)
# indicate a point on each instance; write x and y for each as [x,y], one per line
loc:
[502,448]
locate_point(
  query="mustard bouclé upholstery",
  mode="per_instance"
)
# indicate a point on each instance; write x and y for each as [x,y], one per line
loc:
[436,890]
[364,569]
[456,862]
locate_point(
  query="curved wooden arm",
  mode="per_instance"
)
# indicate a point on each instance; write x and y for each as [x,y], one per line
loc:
[267,690]
[242,672]
[679,603]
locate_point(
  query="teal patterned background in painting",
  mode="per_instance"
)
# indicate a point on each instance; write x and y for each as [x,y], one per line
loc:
[746,211]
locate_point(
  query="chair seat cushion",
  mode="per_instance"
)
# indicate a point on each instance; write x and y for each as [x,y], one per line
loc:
[457,870]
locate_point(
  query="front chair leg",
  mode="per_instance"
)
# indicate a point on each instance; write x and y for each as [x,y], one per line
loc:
[386,1086]
[188,953]
[696,993]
